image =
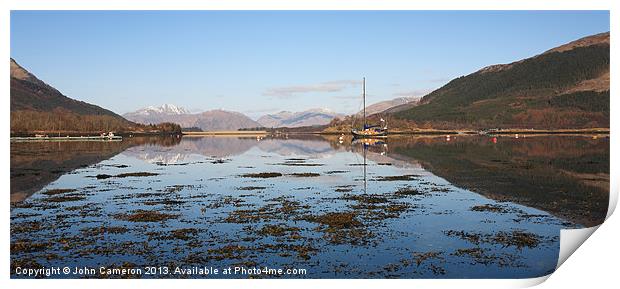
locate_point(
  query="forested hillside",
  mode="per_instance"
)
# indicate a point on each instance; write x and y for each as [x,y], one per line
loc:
[566,87]
[38,107]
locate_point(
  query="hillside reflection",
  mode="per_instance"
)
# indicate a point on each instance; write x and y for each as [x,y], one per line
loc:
[36,164]
[567,176]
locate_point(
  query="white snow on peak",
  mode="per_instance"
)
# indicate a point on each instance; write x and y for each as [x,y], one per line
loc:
[165,109]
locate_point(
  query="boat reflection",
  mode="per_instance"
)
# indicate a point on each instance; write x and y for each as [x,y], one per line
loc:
[374,145]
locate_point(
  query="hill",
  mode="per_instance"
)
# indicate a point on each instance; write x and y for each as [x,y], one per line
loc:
[217,119]
[386,105]
[312,117]
[39,107]
[30,93]
[564,87]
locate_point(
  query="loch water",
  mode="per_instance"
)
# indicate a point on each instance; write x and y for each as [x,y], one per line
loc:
[401,207]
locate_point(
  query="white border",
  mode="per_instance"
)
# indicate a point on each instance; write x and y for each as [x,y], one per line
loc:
[309,5]
[601,257]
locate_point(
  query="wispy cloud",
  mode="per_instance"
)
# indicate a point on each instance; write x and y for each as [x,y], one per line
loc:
[295,90]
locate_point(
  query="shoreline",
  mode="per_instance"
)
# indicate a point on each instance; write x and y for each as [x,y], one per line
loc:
[90,136]
[224,133]
[474,132]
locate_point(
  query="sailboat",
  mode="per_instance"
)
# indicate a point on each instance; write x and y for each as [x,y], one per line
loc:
[369,131]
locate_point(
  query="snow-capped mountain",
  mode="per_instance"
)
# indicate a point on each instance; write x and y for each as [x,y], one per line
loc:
[163,109]
[311,117]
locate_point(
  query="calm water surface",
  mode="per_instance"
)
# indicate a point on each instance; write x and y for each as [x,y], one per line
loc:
[406,207]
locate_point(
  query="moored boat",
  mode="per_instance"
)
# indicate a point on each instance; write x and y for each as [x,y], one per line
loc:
[369,131]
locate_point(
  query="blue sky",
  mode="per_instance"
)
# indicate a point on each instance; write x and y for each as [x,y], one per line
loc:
[259,62]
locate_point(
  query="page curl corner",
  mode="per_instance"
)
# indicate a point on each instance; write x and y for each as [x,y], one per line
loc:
[571,240]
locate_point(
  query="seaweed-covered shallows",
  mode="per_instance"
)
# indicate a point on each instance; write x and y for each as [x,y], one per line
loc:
[126,175]
[262,175]
[146,216]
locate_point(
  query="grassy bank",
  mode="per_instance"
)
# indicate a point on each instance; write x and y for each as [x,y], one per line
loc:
[90,133]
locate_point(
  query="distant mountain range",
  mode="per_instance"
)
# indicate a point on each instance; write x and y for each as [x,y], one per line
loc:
[312,117]
[218,120]
[212,120]
[564,87]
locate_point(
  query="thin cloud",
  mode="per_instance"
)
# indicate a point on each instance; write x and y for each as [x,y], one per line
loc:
[329,86]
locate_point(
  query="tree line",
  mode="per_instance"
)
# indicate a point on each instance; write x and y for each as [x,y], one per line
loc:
[61,120]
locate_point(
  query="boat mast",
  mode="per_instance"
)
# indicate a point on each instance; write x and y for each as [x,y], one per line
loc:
[364,94]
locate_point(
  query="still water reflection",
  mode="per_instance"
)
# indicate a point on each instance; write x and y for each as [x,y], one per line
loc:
[407,207]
